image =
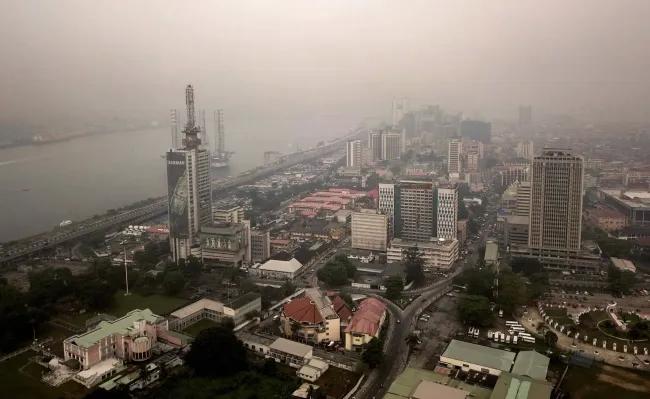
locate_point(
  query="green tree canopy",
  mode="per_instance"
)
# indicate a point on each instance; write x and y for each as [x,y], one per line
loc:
[217,352]
[373,355]
[394,288]
[414,264]
[474,310]
[173,283]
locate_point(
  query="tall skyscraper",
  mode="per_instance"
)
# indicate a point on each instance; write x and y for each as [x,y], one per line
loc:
[369,230]
[525,115]
[414,210]
[454,166]
[386,204]
[391,146]
[174,123]
[400,108]
[353,153]
[556,201]
[447,212]
[188,185]
[374,144]
[526,149]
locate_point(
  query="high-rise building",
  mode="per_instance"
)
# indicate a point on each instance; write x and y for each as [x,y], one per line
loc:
[526,150]
[447,212]
[225,243]
[386,204]
[523,199]
[353,155]
[414,210]
[260,245]
[525,115]
[400,108]
[476,130]
[174,123]
[231,214]
[556,202]
[454,166]
[391,146]
[369,230]
[374,144]
[188,185]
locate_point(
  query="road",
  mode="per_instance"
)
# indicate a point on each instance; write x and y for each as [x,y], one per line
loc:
[158,207]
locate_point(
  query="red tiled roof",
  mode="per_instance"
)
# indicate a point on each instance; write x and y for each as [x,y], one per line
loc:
[302,310]
[367,317]
[341,308]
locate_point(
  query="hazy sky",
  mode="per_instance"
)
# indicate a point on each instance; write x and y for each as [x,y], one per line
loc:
[286,58]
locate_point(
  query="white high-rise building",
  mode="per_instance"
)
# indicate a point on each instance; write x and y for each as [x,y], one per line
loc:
[189,186]
[447,212]
[454,166]
[414,210]
[400,108]
[391,146]
[353,153]
[526,150]
[386,203]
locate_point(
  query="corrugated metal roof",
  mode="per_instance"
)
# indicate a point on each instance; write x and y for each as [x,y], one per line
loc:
[531,364]
[481,355]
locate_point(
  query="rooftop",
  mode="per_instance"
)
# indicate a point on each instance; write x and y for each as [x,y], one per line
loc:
[531,364]
[123,325]
[367,317]
[287,266]
[243,300]
[407,383]
[481,355]
[510,386]
[200,305]
[291,347]
[623,264]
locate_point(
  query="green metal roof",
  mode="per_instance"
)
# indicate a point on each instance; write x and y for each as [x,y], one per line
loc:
[510,386]
[122,326]
[406,383]
[481,355]
[531,364]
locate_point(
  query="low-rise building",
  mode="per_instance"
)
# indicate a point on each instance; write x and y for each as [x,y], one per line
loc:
[623,265]
[311,318]
[467,356]
[365,323]
[512,230]
[313,370]
[280,269]
[238,310]
[415,383]
[520,387]
[607,219]
[491,257]
[438,253]
[290,352]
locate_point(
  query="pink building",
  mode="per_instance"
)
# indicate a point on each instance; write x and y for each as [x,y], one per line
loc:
[129,338]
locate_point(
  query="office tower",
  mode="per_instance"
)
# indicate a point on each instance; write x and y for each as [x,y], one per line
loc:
[525,149]
[204,132]
[525,115]
[556,201]
[473,147]
[229,214]
[454,166]
[472,162]
[447,212]
[260,245]
[391,146]
[386,203]
[523,199]
[188,185]
[353,153]
[220,139]
[400,108]
[476,130]
[369,230]
[374,144]
[414,210]
[174,123]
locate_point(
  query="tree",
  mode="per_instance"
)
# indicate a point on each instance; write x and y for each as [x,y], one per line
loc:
[373,355]
[477,281]
[394,288]
[512,291]
[526,266]
[620,281]
[550,338]
[216,352]
[337,271]
[173,283]
[474,310]
[193,266]
[412,341]
[413,263]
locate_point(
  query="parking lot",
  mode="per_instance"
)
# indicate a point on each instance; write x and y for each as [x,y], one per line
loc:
[637,303]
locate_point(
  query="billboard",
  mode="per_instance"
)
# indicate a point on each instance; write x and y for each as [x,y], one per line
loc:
[177,191]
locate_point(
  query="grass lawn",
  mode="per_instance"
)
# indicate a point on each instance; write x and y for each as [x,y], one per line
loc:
[199,326]
[20,379]
[605,383]
[159,304]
